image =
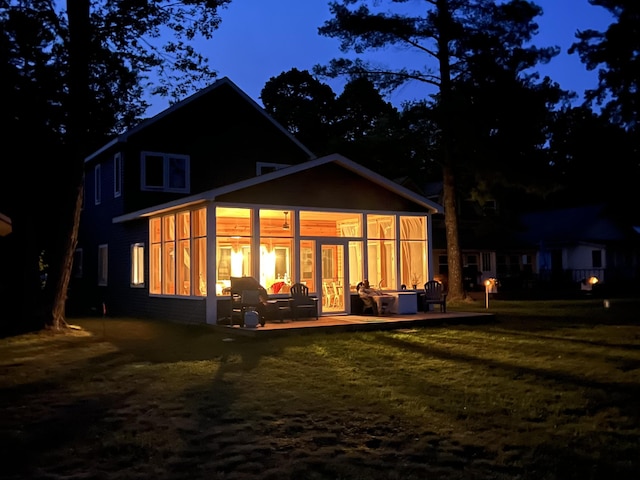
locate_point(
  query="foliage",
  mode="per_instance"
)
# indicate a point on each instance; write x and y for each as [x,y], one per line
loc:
[579,136]
[476,62]
[303,105]
[358,123]
[129,56]
[615,54]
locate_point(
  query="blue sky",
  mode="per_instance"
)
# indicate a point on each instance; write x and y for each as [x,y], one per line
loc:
[260,39]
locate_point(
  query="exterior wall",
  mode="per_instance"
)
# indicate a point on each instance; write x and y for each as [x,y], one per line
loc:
[579,260]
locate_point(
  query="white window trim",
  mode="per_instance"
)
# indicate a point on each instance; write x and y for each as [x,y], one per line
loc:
[137,265]
[165,172]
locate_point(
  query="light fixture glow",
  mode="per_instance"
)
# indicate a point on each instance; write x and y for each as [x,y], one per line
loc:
[285,225]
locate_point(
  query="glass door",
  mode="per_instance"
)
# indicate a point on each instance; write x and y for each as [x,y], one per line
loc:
[334,276]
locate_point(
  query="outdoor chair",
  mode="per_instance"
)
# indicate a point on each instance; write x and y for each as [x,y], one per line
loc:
[302,304]
[434,294]
[245,296]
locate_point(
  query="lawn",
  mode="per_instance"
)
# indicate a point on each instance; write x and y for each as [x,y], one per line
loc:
[550,390]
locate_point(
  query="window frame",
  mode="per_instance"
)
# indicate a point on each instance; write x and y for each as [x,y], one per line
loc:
[167,170]
[137,265]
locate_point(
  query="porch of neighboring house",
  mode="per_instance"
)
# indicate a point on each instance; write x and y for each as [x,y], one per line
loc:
[357,323]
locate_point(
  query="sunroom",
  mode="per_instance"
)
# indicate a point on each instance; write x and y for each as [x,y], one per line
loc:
[329,251]
[282,228]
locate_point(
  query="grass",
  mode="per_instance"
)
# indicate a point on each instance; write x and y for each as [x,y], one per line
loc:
[548,391]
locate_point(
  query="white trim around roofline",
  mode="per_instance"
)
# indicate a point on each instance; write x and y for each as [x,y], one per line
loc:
[211,195]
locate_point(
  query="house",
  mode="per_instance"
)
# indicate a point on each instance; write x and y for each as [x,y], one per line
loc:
[488,245]
[583,245]
[213,188]
[551,250]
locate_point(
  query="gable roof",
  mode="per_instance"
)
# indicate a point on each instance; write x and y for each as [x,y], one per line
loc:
[591,223]
[224,81]
[214,194]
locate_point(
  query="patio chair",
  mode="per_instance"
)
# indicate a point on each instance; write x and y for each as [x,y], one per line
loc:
[302,304]
[245,296]
[434,294]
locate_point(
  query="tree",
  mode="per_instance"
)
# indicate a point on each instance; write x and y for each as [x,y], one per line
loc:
[615,53]
[117,51]
[303,105]
[578,136]
[358,123]
[459,38]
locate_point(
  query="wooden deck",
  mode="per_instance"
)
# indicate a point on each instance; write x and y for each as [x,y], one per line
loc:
[356,323]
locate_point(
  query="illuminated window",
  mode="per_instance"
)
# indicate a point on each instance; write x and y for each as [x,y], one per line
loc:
[199,247]
[137,265]
[233,246]
[178,254]
[413,251]
[381,251]
[330,224]
[276,249]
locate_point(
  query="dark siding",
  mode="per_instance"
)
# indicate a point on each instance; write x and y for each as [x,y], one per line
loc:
[327,186]
[225,137]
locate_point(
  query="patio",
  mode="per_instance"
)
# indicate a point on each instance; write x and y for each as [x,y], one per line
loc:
[357,323]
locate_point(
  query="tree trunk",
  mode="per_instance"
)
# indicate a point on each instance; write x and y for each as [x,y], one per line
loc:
[79,45]
[454,258]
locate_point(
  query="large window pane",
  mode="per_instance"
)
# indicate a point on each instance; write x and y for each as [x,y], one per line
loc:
[233,246]
[356,264]
[330,224]
[381,226]
[199,263]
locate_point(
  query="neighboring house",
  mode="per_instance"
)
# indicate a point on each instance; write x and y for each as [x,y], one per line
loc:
[487,244]
[576,244]
[558,249]
[214,188]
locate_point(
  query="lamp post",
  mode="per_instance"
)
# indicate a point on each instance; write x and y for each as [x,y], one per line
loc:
[490,286]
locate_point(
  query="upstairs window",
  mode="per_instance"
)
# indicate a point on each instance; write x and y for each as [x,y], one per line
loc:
[164,172]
